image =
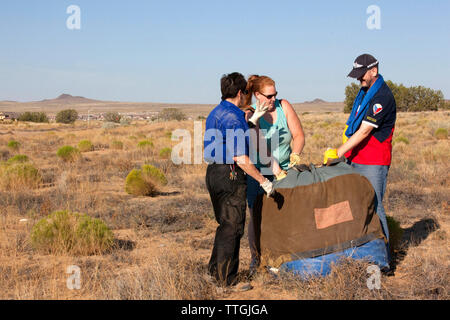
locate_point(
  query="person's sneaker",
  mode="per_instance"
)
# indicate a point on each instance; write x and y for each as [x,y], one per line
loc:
[242,286]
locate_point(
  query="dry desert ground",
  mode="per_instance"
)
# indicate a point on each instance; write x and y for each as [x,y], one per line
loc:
[163,243]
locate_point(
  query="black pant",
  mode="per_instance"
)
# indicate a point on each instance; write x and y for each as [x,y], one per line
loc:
[228,198]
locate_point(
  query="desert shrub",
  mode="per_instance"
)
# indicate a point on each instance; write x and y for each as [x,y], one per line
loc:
[109,125]
[138,184]
[34,117]
[154,173]
[20,158]
[168,134]
[441,133]
[85,146]
[67,116]
[113,117]
[125,121]
[395,233]
[117,145]
[144,144]
[401,139]
[4,154]
[171,114]
[72,233]
[16,175]
[68,153]
[14,145]
[446,105]
[165,153]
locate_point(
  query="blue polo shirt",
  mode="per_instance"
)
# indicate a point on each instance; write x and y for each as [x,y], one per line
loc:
[226,134]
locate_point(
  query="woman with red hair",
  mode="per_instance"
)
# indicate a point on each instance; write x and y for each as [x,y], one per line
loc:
[277,122]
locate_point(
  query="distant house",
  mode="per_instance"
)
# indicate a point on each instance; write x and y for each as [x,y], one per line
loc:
[9,115]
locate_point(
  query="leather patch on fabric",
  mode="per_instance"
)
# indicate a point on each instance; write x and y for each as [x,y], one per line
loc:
[335,214]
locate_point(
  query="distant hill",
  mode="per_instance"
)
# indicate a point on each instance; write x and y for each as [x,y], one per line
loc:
[84,106]
[69,99]
[316,101]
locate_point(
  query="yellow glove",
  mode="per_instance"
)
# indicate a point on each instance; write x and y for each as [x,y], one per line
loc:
[344,137]
[295,159]
[330,154]
[281,175]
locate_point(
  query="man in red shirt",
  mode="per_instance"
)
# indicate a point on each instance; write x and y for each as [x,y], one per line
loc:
[367,139]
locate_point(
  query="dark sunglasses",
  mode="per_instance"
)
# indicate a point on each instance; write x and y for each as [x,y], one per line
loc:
[270,96]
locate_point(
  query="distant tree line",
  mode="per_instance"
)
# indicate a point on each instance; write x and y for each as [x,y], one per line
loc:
[33,117]
[64,116]
[407,99]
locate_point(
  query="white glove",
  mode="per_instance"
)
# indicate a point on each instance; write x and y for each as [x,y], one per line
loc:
[260,110]
[268,187]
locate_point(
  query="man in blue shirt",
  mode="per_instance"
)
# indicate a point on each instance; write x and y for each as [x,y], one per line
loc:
[226,144]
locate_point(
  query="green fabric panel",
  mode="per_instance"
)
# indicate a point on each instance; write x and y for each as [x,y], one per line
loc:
[295,178]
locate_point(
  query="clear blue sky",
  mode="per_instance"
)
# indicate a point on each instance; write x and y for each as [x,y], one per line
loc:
[176,51]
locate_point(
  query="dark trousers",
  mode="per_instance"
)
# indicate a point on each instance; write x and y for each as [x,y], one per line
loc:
[228,198]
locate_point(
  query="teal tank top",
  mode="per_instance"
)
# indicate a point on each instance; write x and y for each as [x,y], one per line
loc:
[283,151]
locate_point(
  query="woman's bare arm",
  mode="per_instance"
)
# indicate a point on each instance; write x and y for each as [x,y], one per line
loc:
[295,127]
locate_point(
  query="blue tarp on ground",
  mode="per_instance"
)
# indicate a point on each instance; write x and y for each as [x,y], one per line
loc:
[374,251]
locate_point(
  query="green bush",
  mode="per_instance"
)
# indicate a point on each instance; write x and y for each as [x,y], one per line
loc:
[67,116]
[395,233]
[16,176]
[113,117]
[117,145]
[34,117]
[446,105]
[68,153]
[154,173]
[407,99]
[165,153]
[85,146]
[137,184]
[171,114]
[401,139]
[441,133]
[72,233]
[20,158]
[144,144]
[14,145]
